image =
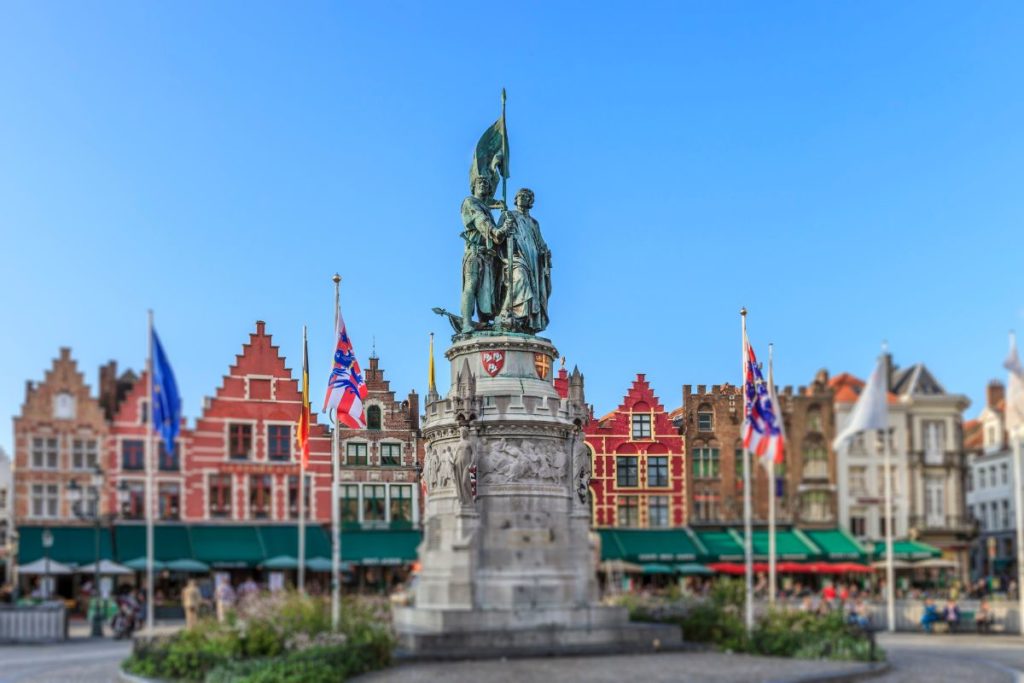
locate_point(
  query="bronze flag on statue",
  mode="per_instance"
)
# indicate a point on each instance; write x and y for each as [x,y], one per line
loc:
[491,157]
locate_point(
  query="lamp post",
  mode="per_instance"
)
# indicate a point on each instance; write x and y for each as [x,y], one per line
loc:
[87,508]
[47,544]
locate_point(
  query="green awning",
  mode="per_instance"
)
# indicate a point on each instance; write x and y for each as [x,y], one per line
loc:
[648,545]
[379,547]
[837,544]
[283,540]
[170,542]
[790,544]
[908,550]
[71,544]
[226,546]
[653,568]
[722,545]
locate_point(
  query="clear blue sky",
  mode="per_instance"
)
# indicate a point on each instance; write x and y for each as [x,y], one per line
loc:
[850,172]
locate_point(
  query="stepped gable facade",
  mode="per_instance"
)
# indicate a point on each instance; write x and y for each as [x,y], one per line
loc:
[58,438]
[381,465]
[241,463]
[125,459]
[639,473]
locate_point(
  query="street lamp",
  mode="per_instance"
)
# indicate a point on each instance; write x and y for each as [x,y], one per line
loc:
[47,544]
[87,508]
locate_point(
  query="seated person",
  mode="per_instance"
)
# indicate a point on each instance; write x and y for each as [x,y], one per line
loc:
[951,614]
[930,615]
[984,617]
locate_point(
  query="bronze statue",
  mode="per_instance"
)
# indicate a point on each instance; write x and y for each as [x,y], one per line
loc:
[480,261]
[527,276]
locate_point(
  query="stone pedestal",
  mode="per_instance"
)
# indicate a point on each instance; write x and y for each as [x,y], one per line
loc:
[507,561]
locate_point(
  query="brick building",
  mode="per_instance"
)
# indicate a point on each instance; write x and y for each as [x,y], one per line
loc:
[239,460]
[380,465]
[639,464]
[58,438]
[711,422]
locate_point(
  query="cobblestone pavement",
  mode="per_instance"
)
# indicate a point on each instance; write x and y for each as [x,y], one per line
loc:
[76,661]
[660,668]
[978,659]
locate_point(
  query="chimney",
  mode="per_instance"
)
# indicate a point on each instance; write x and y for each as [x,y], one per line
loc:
[108,388]
[888,371]
[414,410]
[995,392]
[261,328]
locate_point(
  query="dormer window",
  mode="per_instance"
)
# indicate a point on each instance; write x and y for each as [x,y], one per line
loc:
[373,420]
[642,426]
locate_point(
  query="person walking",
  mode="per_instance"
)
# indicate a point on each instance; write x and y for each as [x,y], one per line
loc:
[225,597]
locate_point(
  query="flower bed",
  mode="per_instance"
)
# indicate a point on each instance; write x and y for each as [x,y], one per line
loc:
[284,637]
[718,621]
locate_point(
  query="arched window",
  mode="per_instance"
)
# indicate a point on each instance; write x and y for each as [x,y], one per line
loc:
[373,417]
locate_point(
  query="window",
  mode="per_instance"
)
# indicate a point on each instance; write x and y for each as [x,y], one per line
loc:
[625,470]
[816,506]
[45,500]
[401,503]
[884,523]
[90,501]
[169,462]
[705,463]
[293,496]
[239,441]
[132,454]
[134,508]
[933,433]
[373,502]
[1004,473]
[705,505]
[45,453]
[220,495]
[657,470]
[84,454]
[858,480]
[642,426]
[814,419]
[628,512]
[350,503]
[657,511]
[934,501]
[373,420]
[705,421]
[169,497]
[391,454]
[970,480]
[355,454]
[739,463]
[279,442]
[261,488]
[981,477]
[858,525]
[815,461]
[1006,514]
[983,516]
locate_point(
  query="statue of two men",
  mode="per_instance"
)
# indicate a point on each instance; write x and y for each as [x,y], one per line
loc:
[506,265]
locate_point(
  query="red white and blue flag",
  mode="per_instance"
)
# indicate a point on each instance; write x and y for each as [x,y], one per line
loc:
[762,426]
[346,388]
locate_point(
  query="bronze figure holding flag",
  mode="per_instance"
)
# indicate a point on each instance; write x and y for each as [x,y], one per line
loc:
[506,265]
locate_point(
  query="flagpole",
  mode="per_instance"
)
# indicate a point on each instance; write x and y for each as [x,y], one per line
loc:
[150,430]
[890,567]
[302,469]
[771,492]
[1015,436]
[335,511]
[748,554]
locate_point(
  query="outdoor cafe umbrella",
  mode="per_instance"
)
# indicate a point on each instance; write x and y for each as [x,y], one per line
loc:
[187,566]
[43,566]
[693,569]
[106,568]
[139,564]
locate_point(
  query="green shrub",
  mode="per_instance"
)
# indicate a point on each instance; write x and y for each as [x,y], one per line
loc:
[287,635]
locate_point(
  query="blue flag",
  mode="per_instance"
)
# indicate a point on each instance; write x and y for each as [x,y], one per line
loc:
[166,399]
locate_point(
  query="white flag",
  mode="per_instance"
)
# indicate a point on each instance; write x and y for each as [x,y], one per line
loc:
[1015,388]
[871,410]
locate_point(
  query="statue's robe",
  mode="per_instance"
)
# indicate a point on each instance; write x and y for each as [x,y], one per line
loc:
[526,299]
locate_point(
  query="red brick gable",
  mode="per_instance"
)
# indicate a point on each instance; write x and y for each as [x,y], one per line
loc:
[639,399]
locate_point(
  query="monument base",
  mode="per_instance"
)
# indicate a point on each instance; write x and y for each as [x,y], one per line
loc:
[474,634]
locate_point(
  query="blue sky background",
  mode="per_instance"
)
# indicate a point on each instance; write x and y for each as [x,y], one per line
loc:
[850,172]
